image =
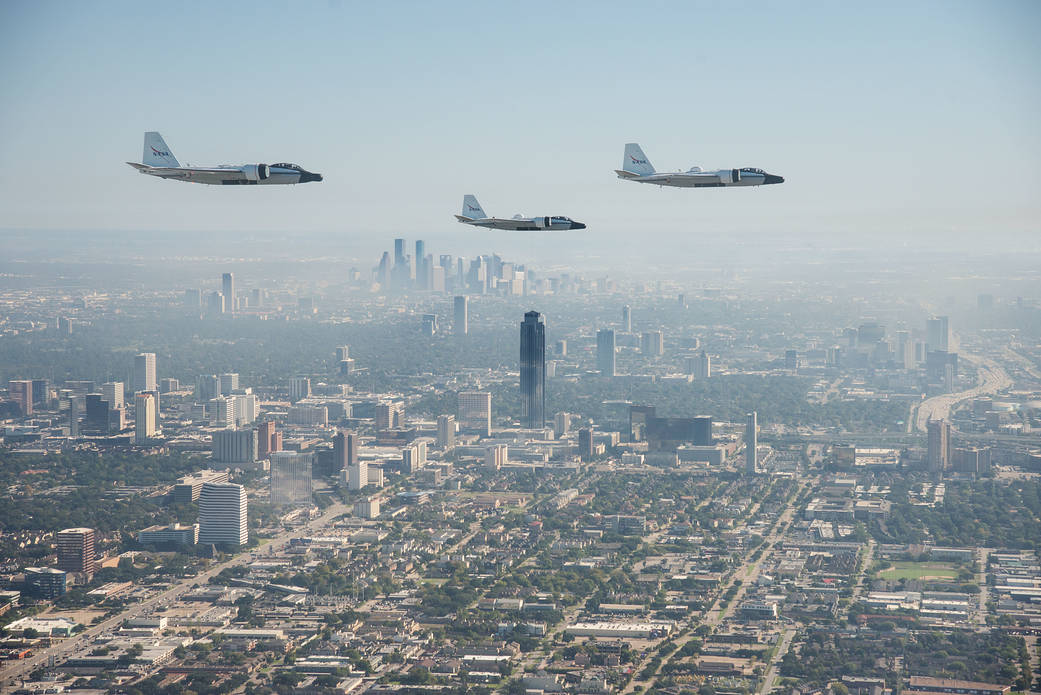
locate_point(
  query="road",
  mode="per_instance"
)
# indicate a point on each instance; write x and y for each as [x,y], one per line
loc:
[981,579]
[992,379]
[747,573]
[19,670]
[782,648]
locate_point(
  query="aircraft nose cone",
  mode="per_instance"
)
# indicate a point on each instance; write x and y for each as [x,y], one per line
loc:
[770,178]
[577,225]
[308,177]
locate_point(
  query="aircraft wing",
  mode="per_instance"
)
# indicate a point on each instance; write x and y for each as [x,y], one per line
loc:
[462,218]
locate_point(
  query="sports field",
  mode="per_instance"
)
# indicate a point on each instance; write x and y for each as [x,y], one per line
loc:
[919,570]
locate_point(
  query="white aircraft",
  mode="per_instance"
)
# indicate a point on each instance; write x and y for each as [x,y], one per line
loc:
[474,214]
[636,167]
[158,160]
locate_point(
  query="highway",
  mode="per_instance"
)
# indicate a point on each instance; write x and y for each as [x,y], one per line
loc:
[992,379]
[18,671]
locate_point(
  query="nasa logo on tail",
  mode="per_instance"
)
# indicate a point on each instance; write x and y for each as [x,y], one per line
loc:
[637,161]
[159,153]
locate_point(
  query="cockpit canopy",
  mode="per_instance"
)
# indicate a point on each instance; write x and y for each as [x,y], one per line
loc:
[753,170]
[286,165]
[559,220]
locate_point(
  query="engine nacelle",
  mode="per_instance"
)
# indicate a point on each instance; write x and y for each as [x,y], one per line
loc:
[256,172]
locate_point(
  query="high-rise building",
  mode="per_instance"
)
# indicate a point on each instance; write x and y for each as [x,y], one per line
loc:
[76,407]
[357,475]
[533,371]
[222,412]
[938,334]
[399,251]
[343,353]
[235,446]
[367,508]
[228,290]
[247,408]
[308,415]
[791,359]
[291,478]
[144,417]
[413,457]
[421,264]
[41,392]
[496,456]
[45,582]
[390,415]
[475,411]
[266,439]
[751,442]
[446,431]
[461,324]
[21,392]
[76,550]
[345,451]
[702,430]
[938,453]
[229,383]
[561,424]
[145,372]
[605,352]
[112,393]
[585,443]
[215,303]
[299,387]
[905,350]
[438,281]
[97,413]
[627,319]
[207,387]
[223,514]
[700,366]
[652,343]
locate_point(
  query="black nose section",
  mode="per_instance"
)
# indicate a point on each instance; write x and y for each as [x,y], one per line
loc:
[770,178]
[308,177]
[577,225]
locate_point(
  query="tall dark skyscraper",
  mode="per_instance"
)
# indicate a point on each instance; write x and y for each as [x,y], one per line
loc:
[422,269]
[533,370]
[605,352]
[399,251]
[627,319]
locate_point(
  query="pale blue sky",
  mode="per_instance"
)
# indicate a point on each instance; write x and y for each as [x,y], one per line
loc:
[916,117]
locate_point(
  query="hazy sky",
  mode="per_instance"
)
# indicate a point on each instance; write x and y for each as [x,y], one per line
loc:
[884,117]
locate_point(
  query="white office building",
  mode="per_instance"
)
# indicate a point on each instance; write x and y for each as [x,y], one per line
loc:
[223,514]
[112,392]
[145,372]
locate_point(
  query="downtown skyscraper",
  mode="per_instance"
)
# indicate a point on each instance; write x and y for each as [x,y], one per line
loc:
[605,352]
[533,371]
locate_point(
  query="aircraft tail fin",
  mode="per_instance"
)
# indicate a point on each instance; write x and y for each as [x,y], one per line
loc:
[472,209]
[156,153]
[635,161]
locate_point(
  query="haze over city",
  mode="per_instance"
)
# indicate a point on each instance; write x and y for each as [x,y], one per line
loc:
[747,399]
